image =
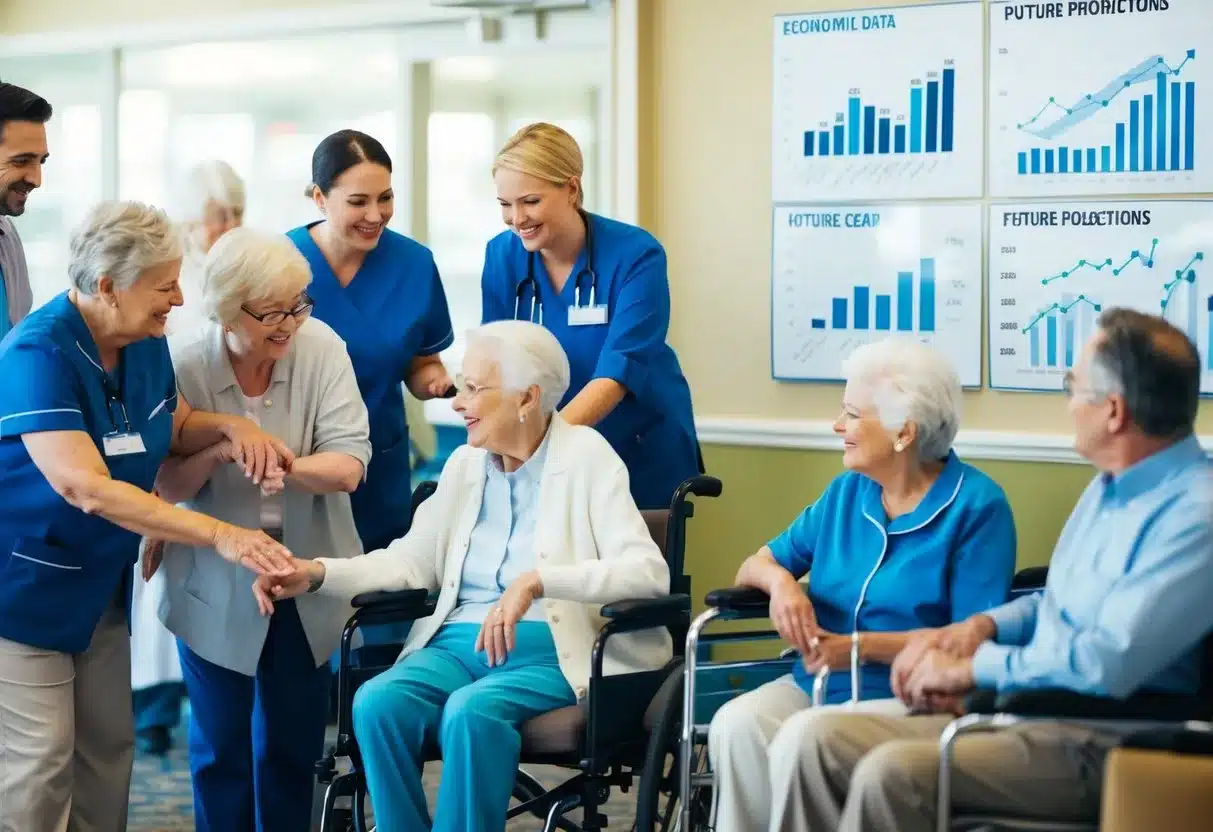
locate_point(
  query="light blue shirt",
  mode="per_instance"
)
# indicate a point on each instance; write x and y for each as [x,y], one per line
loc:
[1129,597]
[502,544]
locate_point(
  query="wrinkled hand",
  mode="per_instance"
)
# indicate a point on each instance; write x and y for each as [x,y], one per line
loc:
[496,636]
[270,588]
[254,550]
[274,481]
[255,450]
[152,555]
[793,616]
[831,650]
[964,637]
[907,659]
[938,677]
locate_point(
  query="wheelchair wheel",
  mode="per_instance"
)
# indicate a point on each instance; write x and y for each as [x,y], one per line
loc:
[658,802]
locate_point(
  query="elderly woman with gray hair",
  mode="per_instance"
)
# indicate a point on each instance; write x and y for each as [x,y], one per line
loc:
[908,539]
[258,687]
[531,530]
[88,411]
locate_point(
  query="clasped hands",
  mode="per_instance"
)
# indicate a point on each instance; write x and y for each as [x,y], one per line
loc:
[934,671]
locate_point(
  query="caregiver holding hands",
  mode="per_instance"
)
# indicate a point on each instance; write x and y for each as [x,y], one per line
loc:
[381,293]
[602,289]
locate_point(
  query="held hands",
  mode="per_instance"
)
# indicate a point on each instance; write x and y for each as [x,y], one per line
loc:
[793,616]
[270,588]
[959,640]
[938,682]
[253,549]
[254,450]
[496,636]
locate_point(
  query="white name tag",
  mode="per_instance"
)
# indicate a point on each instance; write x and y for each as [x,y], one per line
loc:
[587,315]
[123,444]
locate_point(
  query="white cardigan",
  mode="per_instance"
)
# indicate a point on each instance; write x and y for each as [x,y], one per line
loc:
[593,548]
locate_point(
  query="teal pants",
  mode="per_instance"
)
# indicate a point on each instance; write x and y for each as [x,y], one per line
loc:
[446,695]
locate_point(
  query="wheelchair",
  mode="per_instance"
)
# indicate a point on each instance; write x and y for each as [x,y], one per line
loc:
[602,740]
[675,790]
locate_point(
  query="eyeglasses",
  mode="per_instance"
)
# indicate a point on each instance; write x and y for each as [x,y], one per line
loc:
[277,316]
[1070,387]
[472,390]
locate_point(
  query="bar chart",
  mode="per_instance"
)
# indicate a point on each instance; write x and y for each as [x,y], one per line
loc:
[927,124]
[1111,105]
[907,126]
[1049,283]
[907,271]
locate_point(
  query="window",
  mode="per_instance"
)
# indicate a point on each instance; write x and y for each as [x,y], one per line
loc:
[260,106]
[72,180]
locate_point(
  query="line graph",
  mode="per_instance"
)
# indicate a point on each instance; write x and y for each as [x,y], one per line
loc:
[1100,105]
[1048,283]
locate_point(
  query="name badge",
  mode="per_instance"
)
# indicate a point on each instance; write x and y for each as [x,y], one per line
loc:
[587,315]
[123,444]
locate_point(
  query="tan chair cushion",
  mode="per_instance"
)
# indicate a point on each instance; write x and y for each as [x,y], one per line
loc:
[557,732]
[1157,791]
[658,521]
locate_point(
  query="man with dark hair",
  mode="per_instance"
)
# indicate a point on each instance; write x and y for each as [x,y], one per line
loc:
[23,152]
[1125,610]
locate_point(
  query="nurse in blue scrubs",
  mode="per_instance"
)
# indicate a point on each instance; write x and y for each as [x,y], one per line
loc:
[380,292]
[88,412]
[601,287]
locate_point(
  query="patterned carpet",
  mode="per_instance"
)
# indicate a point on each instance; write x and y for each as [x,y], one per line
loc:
[161,799]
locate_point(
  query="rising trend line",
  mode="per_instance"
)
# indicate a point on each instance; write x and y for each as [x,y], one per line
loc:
[1087,105]
[1187,274]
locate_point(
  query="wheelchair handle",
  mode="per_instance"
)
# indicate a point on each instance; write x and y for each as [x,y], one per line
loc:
[822,677]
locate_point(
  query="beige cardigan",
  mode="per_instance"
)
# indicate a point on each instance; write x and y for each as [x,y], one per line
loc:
[593,549]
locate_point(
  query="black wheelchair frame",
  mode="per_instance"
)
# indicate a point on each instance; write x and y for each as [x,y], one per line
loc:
[607,733]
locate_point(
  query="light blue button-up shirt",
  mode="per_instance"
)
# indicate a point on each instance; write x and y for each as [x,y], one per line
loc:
[502,544]
[1129,597]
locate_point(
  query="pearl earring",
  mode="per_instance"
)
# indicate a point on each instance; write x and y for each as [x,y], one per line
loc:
[521,418]
[899,447]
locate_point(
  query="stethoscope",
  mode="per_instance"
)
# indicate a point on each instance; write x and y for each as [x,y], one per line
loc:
[535,313]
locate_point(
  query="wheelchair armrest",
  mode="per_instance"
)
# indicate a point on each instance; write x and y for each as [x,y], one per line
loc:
[405,603]
[1030,578]
[739,601]
[1177,739]
[643,613]
[1061,704]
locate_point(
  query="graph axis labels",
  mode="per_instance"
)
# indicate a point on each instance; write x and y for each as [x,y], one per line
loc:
[845,274]
[906,124]
[1055,266]
[1099,105]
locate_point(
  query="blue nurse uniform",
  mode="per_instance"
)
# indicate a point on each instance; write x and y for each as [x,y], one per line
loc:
[61,567]
[391,312]
[653,427]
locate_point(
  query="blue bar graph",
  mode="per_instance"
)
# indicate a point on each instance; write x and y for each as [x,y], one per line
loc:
[1069,327]
[839,314]
[927,126]
[1157,133]
[861,307]
[1051,340]
[1036,160]
[884,303]
[913,292]
[1033,343]
[1049,160]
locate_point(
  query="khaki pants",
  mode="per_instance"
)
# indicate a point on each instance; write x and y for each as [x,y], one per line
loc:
[755,743]
[67,734]
[859,773]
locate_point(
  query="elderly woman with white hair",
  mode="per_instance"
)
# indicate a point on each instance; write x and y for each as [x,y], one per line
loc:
[88,411]
[531,530]
[258,687]
[908,539]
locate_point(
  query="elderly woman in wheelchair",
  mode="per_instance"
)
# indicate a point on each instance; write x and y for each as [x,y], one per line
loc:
[532,528]
[908,538]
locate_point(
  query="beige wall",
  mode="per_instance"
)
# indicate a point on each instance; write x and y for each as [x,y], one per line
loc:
[709,139]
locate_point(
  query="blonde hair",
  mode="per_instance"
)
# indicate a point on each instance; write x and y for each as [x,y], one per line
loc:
[546,152]
[247,265]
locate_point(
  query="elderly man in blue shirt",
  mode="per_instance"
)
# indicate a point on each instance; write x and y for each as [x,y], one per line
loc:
[1125,611]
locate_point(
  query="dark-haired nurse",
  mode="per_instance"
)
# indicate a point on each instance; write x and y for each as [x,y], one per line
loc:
[380,291]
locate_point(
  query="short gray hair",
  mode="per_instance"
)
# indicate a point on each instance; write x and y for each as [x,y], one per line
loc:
[249,265]
[121,240]
[212,181]
[910,382]
[525,353]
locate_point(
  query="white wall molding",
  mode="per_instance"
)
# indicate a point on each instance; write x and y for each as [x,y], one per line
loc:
[818,435]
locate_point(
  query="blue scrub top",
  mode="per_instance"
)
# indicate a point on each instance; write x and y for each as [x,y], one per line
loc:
[391,312]
[653,427]
[62,567]
[950,558]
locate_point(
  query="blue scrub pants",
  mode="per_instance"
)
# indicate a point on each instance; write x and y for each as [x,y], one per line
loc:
[446,694]
[254,740]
